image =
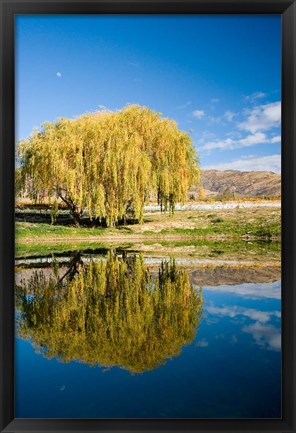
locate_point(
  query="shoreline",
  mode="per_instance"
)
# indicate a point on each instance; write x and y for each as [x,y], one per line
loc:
[143,238]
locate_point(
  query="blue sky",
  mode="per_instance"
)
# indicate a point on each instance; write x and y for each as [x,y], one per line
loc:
[217,76]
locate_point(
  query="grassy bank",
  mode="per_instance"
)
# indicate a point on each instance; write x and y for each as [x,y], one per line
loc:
[228,233]
[260,252]
[258,223]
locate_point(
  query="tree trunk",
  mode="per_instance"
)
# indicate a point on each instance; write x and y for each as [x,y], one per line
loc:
[73,210]
[76,217]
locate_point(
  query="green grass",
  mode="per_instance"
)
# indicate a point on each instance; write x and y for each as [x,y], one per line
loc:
[35,230]
[233,224]
[225,250]
[231,229]
[40,250]
[224,245]
[204,248]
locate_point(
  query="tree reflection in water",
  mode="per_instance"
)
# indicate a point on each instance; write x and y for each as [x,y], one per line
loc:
[112,312]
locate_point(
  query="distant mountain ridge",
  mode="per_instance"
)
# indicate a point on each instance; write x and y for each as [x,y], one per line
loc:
[241,183]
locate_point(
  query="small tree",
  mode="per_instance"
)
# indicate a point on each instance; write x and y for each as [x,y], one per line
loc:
[202,193]
[110,163]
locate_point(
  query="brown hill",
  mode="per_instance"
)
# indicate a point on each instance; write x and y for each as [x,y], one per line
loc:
[236,183]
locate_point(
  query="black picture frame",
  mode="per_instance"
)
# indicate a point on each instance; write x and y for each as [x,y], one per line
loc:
[287,10]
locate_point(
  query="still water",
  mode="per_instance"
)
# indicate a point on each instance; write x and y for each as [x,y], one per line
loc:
[115,337]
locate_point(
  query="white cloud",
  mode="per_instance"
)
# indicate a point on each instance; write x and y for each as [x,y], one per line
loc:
[276,139]
[254,96]
[231,143]
[59,74]
[216,120]
[215,100]
[256,315]
[262,117]
[181,107]
[266,336]
[236,135]
[250,290]
[198,114]
[134,64]
[203,343]
[253,163]
[227,143]
[253,139]
[204,137]
[229,115]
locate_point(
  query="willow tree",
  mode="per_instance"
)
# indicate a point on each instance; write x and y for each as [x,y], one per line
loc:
[116,311]
[109,163]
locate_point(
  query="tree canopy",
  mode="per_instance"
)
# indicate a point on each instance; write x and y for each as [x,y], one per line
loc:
[112,312]
[109,163]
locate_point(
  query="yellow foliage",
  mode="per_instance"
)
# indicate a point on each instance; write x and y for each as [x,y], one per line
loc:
[110,163]
[111,312]
[202,193]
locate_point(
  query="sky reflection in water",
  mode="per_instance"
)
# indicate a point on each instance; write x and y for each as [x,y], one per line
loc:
[229,368]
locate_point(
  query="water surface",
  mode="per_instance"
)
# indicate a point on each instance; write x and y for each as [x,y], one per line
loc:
[118,338]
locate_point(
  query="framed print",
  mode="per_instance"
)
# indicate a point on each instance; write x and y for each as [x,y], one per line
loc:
[147,216]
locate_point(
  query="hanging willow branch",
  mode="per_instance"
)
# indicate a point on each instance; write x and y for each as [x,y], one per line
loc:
[110,163]
[114,312]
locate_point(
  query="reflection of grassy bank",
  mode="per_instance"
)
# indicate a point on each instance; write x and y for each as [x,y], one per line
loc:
[202,273]
[215,250]
[199,249]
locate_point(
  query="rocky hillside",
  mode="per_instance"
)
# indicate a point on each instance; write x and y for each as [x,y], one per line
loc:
[241,183]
